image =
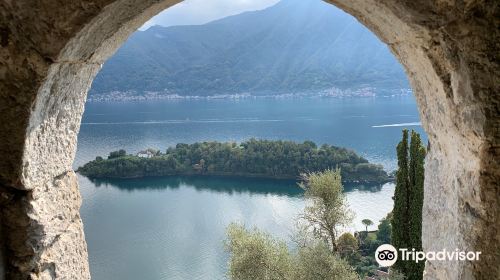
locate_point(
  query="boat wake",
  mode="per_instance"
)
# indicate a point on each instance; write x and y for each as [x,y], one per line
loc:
[399,124]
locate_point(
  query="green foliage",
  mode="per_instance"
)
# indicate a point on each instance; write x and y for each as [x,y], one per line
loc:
[347,245]
[369,244]
[116,154]
[318,263]
[363,260]
[326,211]
[416,198]
[256,255]
[400,212]
[256,158]
[408,201]
[384,229]
[365,265]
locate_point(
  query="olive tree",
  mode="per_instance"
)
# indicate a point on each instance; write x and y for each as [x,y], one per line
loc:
[326,211]
[316,262]
[257,255]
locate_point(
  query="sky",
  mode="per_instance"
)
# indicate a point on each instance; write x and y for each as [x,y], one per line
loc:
[191,12]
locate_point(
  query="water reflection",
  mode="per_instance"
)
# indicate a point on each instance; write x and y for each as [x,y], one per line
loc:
[228,185]
[174,227]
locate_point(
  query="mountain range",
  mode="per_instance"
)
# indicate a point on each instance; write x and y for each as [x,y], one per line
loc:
[295,46]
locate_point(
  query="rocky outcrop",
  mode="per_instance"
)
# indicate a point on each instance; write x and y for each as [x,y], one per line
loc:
[50,52]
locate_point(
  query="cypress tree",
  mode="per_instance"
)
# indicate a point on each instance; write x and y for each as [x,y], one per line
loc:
[408,201]
[401,200]
[416,198]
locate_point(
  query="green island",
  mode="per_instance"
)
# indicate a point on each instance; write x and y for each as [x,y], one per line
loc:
[252,158]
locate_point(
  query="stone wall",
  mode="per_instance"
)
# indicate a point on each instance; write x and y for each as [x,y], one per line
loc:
[2,255]
[50,51]
[49,54]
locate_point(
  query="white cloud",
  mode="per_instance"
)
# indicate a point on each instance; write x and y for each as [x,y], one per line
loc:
[203,11]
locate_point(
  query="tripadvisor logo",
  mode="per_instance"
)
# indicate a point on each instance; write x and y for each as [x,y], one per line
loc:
[386,255]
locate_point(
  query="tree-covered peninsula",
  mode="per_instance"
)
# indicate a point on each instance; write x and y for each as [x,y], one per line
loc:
[253,158]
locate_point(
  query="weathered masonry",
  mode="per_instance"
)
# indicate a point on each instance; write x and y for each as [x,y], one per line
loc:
[51,50]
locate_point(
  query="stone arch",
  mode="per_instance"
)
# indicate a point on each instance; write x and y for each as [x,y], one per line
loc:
[51,50]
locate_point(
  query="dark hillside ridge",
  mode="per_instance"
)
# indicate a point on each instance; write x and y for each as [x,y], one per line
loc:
[292,47]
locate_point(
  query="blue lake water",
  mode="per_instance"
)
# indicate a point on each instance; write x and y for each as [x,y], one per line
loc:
[173,228]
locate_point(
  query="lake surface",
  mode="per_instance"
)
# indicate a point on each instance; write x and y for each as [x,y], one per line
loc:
[173,228]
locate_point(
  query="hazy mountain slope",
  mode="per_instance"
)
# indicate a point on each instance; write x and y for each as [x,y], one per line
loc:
[294,46]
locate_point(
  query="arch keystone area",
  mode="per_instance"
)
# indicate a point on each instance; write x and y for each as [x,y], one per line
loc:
[51,50]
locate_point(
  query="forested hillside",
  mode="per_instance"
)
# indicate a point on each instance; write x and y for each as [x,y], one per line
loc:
[294,46]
